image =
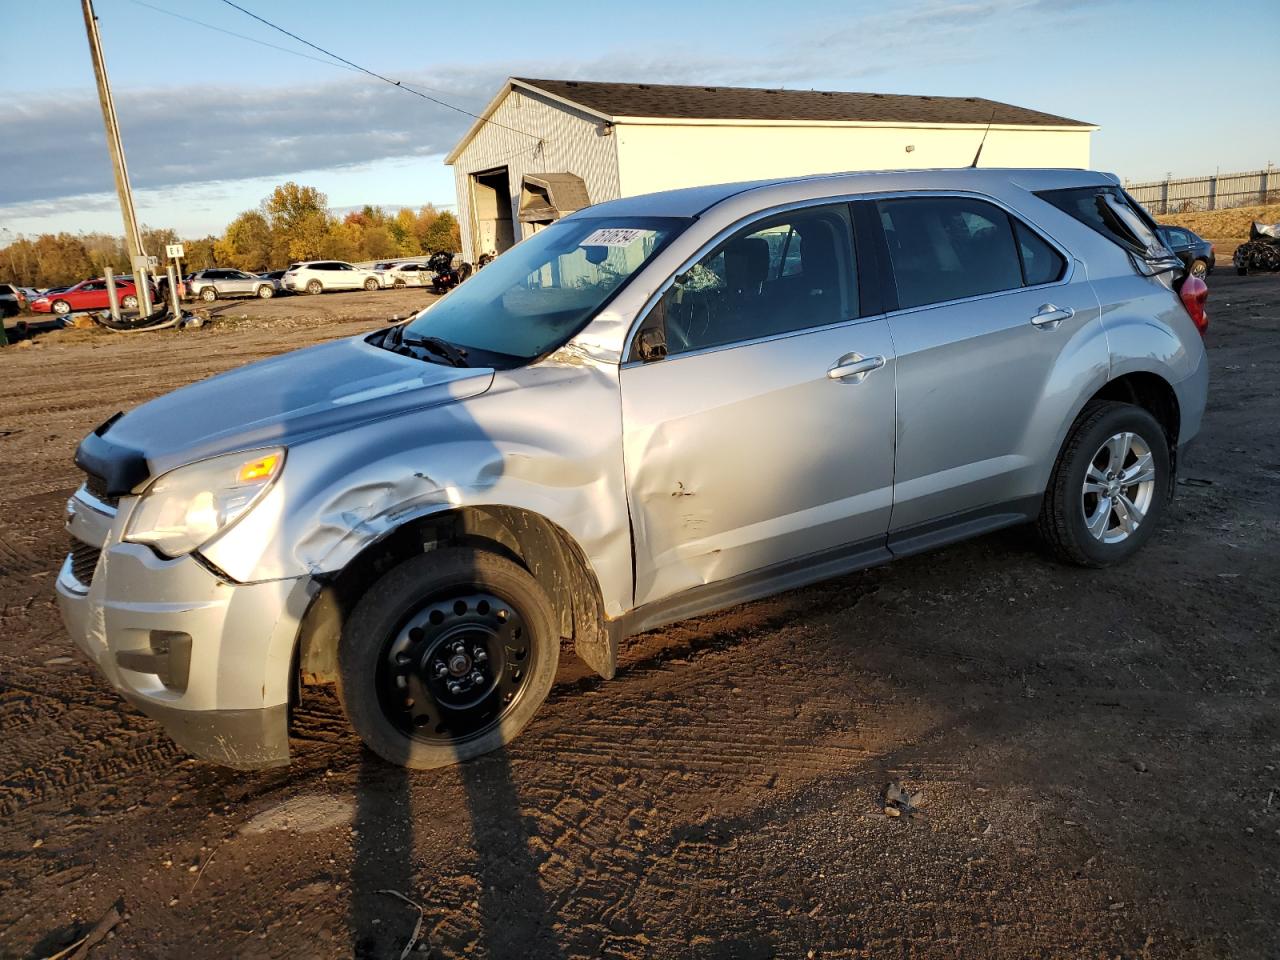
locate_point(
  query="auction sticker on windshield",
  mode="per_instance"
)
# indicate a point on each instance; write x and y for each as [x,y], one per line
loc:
[614,237]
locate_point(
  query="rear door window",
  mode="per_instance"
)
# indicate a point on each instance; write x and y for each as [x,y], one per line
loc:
[949,248]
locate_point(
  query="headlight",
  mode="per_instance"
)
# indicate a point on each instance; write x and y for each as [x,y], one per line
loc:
[188,507]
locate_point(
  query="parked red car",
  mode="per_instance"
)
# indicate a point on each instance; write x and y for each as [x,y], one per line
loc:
[86,295]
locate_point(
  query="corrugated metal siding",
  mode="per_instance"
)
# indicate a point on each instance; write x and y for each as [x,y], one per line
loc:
[572,144]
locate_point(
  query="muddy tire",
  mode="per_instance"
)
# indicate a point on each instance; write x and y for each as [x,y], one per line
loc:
[447,657]
[1109,488]
[208,294]
[314,287]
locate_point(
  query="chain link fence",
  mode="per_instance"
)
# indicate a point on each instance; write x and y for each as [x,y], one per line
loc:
[1217,192]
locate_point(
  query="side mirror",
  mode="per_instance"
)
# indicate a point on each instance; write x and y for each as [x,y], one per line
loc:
[651,344]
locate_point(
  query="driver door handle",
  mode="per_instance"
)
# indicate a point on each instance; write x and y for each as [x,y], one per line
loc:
[854,367]
[1049,316]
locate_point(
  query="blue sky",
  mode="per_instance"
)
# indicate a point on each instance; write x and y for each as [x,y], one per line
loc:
[211,121]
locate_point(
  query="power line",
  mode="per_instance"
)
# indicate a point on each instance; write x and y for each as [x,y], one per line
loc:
[377,76]
[241,36]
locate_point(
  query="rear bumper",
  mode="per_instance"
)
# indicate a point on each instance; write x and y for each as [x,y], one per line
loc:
[210,660]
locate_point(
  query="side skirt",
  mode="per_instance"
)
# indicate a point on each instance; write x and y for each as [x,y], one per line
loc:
[815,567]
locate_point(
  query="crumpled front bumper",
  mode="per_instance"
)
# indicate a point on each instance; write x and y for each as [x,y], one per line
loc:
[207,658]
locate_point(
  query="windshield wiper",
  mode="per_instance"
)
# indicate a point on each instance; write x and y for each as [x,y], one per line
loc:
[454,355]
[395,341]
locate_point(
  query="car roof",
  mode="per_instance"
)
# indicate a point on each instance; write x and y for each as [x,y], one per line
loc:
[692,201]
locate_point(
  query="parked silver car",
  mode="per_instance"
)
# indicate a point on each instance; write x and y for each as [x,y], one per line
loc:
[651,409]
[217,282]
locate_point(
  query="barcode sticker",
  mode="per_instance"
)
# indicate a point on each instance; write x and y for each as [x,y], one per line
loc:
[614,237]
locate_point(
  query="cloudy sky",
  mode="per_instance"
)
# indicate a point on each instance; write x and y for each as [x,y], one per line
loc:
[216,108]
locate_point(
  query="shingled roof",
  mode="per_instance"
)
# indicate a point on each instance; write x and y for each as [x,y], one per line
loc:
[749,103]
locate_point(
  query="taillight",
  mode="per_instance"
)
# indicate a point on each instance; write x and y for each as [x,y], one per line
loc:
[1194,292]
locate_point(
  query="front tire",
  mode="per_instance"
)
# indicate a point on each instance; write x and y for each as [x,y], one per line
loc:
[208,294]
[61,307]
[130,302]
[447,657]
[1109,488]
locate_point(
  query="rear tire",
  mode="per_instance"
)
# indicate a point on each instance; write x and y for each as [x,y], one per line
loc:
[1198,268]
[314,287]
[372,284]
[1102,504]
[455,617]
[130,302]
[208,294]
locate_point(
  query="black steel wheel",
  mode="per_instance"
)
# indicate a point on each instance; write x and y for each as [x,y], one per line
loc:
[447,657]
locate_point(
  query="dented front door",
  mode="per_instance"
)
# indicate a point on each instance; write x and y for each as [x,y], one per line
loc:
[757,453]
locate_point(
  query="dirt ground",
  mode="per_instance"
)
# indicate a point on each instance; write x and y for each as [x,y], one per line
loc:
[1098,751]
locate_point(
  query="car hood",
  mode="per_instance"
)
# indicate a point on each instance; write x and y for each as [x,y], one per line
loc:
[286,400]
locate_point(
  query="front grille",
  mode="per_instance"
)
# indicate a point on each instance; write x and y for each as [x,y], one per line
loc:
[97,487]
[84,560]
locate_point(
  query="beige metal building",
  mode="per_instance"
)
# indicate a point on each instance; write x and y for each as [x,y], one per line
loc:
[545,148]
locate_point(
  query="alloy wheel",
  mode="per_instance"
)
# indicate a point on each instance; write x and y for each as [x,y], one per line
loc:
[1119,486]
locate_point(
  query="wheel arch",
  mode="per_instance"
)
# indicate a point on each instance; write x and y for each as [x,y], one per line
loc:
[1143,388]
[542,547]
[1151,392]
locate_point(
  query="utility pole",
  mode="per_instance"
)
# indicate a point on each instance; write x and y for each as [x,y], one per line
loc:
[132,235]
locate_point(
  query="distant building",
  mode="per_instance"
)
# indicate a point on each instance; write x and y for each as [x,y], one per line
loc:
[546,148]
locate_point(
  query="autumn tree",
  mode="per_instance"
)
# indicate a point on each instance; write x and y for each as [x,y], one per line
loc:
[247,244]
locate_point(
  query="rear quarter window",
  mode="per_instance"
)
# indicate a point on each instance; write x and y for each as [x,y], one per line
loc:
[1111,212]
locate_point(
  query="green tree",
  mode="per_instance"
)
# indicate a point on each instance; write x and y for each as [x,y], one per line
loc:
[247,243]
[62,260]
[200,254]
[442,234]
[300,221]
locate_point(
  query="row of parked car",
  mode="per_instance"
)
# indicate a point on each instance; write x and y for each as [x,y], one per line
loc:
[308,276]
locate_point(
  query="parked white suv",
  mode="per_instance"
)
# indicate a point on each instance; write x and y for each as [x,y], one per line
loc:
[317,276]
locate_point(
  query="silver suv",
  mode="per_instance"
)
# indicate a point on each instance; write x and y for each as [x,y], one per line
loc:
[653,408]
[217,282]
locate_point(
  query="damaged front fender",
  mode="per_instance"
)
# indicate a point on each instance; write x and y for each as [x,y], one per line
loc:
[544,439]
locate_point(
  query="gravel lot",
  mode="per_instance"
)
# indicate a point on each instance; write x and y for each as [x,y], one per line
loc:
[1098,751]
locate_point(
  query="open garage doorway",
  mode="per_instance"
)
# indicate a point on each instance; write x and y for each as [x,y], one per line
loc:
[491,201]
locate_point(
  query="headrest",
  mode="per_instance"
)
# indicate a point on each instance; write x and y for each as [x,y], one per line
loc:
[746,263]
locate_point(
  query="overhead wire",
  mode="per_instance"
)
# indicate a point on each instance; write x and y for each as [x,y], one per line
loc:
[378,76]
[241,36]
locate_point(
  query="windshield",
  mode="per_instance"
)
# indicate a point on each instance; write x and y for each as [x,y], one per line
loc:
[543,290]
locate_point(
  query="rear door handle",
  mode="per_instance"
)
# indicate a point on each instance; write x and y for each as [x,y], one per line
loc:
[854,367]
[1049,316]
